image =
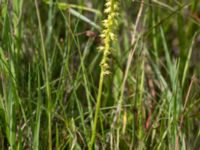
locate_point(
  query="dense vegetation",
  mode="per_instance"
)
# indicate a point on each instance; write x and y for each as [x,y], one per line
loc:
[99,74]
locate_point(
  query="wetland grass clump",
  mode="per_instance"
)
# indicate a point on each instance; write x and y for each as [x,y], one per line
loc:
[63,88]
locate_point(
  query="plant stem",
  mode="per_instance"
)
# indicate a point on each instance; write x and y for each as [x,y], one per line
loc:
[48,91]
[97,109]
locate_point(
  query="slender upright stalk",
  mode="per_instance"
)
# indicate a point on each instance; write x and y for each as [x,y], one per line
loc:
[46,76]
[108,37]
[97,110]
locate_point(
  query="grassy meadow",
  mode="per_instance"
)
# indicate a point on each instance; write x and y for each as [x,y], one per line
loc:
[99,74]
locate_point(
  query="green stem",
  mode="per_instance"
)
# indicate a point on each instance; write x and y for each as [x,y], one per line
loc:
[97,109]
[49,130]
[48,90]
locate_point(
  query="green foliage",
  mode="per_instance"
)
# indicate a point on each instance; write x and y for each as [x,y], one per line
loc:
[90,74]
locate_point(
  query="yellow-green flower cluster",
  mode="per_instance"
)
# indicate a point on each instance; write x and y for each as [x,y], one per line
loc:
[108,36]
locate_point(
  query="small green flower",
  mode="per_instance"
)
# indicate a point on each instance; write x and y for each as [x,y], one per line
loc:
[108,33]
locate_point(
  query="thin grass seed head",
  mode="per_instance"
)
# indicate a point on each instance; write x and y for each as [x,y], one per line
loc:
[108,34]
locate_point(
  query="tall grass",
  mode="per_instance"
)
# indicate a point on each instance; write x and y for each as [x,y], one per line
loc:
[99,74]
